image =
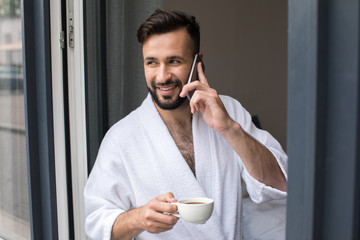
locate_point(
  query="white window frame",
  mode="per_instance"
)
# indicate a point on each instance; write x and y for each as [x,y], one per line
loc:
[77,116]
[59,120]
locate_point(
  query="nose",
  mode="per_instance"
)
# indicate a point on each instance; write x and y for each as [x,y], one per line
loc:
[163,74]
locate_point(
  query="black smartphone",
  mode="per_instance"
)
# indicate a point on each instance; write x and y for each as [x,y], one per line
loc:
[193,76]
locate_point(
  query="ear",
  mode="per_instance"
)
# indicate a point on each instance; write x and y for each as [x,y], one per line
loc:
[201,55]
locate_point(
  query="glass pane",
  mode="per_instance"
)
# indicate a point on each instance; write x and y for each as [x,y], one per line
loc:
[14,202]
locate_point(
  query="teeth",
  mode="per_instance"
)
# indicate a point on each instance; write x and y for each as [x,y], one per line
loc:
[168,88]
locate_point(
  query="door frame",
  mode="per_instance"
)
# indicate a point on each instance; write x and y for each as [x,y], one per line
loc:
[77,113]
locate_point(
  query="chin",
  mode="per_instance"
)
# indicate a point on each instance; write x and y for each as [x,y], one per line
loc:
[167,103]
[170,105]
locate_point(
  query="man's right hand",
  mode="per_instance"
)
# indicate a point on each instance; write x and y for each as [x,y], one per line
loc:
[154,217]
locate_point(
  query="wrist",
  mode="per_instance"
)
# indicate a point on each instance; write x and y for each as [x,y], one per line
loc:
[232,129]
[127,225]
[135,220]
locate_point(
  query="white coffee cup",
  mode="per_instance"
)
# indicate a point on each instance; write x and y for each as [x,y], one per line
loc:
[195,210]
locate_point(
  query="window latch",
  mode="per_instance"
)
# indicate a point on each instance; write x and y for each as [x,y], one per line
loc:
[62,39]
[71,29]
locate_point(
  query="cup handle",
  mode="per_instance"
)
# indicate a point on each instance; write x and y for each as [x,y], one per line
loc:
[177,213]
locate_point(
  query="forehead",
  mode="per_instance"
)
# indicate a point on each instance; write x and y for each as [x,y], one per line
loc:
[173,42]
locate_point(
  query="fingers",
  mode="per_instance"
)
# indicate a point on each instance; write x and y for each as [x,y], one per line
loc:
[155,217]
[196,104]
[163,205]
[203,98]
[156,222]
[196,85]
[201,74]
[167,197]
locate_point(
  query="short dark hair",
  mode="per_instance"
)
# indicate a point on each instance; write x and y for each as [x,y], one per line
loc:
[163,21]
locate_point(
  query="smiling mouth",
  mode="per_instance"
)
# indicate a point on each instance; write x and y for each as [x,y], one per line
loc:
[167,88]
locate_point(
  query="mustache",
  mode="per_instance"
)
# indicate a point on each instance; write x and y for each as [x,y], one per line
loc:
[168,82]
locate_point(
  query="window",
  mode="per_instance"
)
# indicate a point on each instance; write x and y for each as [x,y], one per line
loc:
[14,201]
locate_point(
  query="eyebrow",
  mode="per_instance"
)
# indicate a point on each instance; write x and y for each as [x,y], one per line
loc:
[150,58]
[175,57]
[169,58]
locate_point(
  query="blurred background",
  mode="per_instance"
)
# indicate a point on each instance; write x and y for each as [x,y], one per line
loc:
[14,203]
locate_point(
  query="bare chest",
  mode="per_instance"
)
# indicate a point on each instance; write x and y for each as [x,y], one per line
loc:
[184,141]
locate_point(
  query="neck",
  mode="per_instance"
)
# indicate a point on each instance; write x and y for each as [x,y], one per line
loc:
[180,115]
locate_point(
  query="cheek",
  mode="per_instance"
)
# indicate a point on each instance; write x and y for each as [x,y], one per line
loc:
[183,75]
[149,75]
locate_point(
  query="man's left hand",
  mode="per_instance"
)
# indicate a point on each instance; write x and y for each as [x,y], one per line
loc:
[206,100]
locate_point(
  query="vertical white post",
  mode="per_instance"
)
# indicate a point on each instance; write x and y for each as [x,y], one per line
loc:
[59,120]
[76,84]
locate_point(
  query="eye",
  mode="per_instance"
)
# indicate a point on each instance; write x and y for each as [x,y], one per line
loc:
[174,61]
[150,62]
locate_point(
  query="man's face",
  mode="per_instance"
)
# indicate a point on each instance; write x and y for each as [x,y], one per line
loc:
[167,62]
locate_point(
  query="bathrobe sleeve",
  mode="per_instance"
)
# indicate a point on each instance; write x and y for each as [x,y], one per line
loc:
[258,191]
[107,193]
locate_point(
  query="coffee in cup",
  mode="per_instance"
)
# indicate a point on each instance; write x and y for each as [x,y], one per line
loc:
[195,210]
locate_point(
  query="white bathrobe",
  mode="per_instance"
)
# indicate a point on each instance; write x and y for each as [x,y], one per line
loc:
[138,160]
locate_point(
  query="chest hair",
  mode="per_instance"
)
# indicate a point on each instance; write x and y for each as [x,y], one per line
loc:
[182,135]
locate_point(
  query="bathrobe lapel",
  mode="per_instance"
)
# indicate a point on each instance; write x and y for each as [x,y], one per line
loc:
[178,174]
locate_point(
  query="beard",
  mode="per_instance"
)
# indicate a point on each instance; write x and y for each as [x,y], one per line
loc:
[167,103]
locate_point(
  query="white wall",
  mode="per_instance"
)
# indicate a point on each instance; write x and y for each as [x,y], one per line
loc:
[245,53]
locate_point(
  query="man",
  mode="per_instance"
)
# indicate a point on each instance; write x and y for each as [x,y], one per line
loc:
[171,147]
